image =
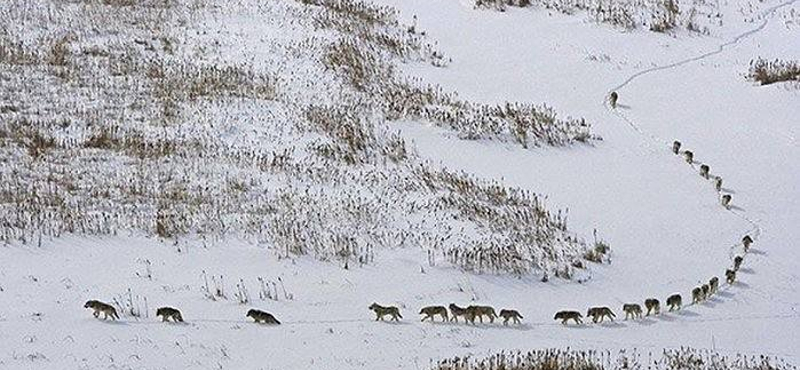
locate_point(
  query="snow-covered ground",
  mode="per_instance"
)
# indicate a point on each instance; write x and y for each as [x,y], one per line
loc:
[666,228]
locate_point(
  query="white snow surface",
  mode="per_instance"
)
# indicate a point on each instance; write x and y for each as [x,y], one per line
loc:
[666,227]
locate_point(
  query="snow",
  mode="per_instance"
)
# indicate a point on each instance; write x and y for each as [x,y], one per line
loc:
[666,228]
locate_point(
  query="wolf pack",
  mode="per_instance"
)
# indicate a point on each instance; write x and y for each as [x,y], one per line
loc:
[471,314]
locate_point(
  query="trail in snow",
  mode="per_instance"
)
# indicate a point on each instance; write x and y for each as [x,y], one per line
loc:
[765,15]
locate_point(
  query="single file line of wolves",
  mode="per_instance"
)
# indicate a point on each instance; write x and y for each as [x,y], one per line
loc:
[755,232]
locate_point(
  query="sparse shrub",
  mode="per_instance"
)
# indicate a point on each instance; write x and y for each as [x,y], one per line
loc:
[768,72]
[655,15]
[570,359]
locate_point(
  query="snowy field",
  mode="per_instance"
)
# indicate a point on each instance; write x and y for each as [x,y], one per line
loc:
[667,230]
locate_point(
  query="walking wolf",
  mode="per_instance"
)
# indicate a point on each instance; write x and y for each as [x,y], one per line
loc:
[456,311]
[747,241]
[99,307]
[512,315]
[730,276]
[674,302]
[598,313]
[381,311]
[480,312]
[262,317]
[432,311]
[652,304]
[167,313]
[564,316]
[632,310]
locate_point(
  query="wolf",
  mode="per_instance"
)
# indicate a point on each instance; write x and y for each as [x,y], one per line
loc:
[747,241]
[706,291]
[381,311]
[726,201]
[652,304]
[100,307]
[718,183]
[479,312]
[512,315]
[730,276]
[598,313]
[167,313]
[432,311]
[697,295]
[674,302]
[704,169]
[713,284]
[676,147]
[688,156]
[262,317]
[456,311]
[613,99]
[564,316]
[632,310]
[737,262]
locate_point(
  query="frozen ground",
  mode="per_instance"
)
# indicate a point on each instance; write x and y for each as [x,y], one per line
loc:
[664,222]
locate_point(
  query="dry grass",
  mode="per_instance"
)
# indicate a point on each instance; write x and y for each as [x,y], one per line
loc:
[568,359]
[768,72]
[655,15]
[113,125]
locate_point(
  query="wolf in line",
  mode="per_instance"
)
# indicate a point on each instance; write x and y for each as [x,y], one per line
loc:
[431,311]
[713,284]
[167,313]
[676,147]
[730,276]
[674,302]
[697,295]
[565,316]
[632,310]
[480,312]
[718,183]
[652,304]
[598,313]
[704,170]
[725,200]
[99,307]
[737,262]
[688,156]
[381,311]
[747,241]
[456,311]
[262,317]
[508,314]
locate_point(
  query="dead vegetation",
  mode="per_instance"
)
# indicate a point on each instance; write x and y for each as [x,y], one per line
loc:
[655,15]
[114,125]
[570,359]
[767,72]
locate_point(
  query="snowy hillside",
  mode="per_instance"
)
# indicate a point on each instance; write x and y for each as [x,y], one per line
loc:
[308,158]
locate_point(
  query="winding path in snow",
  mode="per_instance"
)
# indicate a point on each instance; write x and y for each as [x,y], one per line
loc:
[765,16]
